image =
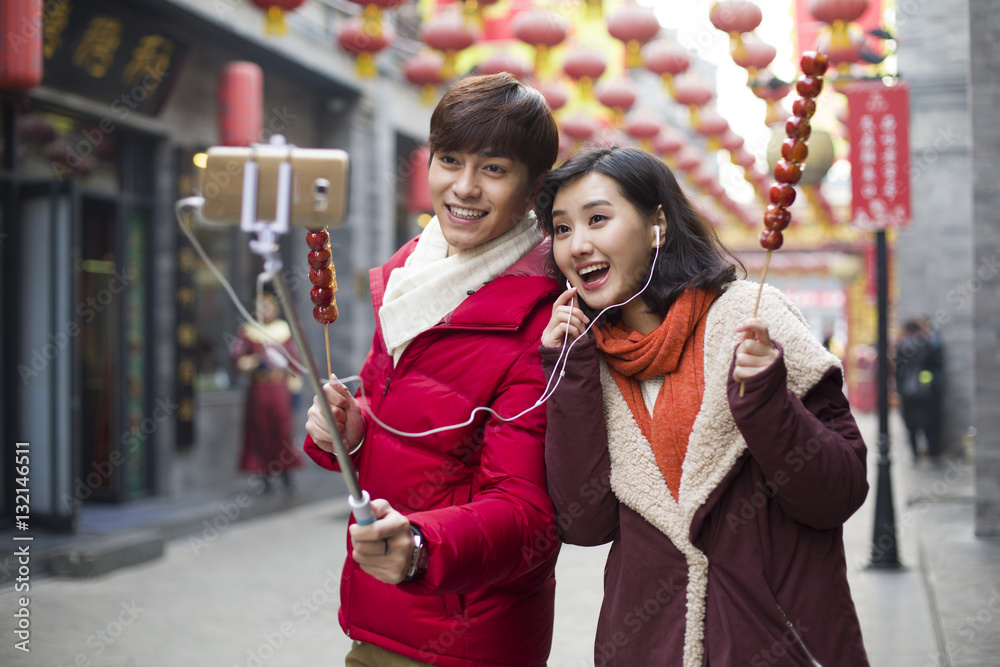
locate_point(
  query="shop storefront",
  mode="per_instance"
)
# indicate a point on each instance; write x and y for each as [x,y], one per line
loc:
[114,335]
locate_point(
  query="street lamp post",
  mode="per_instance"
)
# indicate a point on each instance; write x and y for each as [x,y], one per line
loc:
[884,553]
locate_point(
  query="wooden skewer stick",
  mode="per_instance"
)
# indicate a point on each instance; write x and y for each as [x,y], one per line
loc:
[326,336]
[760,288]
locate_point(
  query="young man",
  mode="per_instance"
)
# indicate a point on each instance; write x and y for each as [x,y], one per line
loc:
[458,569]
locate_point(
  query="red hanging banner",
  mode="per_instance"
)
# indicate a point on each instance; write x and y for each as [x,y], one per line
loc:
[879,125]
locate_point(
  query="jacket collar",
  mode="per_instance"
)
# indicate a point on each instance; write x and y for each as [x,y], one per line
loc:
[500,304]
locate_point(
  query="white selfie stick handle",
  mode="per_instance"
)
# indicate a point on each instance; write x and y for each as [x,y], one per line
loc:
[362,509]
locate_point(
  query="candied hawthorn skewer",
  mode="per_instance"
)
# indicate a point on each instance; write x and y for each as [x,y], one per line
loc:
[323,277]
[794,151]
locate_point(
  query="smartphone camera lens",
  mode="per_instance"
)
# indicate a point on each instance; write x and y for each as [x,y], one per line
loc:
[321,193]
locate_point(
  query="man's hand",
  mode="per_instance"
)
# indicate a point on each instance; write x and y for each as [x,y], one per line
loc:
[346,412]
[383,549]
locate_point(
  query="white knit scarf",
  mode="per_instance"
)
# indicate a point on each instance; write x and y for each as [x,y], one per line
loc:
[431,284]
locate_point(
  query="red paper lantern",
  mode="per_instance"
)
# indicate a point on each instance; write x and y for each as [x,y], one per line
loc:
[542,30]
[418,199]
[743,159]
[606,137]
[731,141]
[241,104]
[450,33]
[830,11]
[634,26]
[619,95]
[668,141]
[643,126]
[688,159]
[616,94]
[838,13]
[372,16]
[21,40]
[584,65]
[424,70]
[355,39]
[555,94]
[693,94]
[275,20]
[755,54]
[504,61]
[770,89]
[667,59]
[578,127]
[841,48]
[735,16]
[711,124]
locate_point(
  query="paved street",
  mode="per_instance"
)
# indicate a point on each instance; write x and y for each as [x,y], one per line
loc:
[264,592]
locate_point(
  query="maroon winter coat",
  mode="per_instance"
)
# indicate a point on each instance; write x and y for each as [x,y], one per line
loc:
[477,493]
[748,566]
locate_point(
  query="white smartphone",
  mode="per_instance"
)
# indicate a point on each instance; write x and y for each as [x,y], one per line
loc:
[319,184]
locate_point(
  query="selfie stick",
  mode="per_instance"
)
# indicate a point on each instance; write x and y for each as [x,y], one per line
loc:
[266,245]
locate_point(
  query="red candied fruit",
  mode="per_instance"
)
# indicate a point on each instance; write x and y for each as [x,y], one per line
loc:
[326,314]
[321,277]
[317,239]
[321,296]
[771,239]
[783,194]
[319,259]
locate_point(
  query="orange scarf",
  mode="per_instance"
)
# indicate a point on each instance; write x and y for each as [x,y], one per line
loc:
[675,350]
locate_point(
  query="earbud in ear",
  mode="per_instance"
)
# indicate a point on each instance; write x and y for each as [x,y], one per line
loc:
[657,228]
[568,285]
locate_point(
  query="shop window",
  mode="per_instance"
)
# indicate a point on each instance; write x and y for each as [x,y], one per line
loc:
[53,145]
[204,308]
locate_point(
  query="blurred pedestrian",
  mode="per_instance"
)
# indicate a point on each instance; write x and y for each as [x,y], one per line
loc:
[919,362]
[714,449]
[458,568]
[268,450]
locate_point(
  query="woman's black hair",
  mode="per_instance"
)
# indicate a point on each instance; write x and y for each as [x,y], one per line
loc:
[691,254]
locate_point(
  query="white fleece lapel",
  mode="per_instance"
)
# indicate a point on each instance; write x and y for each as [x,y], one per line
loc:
[715,442]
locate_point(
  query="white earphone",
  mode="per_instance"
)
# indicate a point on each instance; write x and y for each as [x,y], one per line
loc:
[568,284]
[657,228]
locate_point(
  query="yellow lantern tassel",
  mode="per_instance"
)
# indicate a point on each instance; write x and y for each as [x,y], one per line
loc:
[633,55]
[365,65]
[541,60]
[428,94]
[274,24]
[372,25]
[668,83]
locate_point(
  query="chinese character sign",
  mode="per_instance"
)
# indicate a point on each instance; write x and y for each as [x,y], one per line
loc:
[879,125]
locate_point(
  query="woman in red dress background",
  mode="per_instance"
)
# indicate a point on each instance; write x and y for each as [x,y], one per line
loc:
[267,437]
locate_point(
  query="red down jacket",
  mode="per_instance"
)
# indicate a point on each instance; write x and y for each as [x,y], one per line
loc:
[477,493]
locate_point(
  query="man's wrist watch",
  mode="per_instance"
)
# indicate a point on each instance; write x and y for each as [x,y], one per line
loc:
[418,561]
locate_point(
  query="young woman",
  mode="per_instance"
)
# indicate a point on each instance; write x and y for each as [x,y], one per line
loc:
[725,512]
